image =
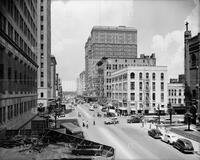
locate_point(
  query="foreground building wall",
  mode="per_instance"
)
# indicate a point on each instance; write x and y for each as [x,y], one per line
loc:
[18,62]
[53,78]
[140,88]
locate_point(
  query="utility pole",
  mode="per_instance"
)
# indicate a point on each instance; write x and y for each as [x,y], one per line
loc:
[158,114]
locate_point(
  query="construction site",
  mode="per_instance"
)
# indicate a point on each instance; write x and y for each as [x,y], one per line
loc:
[61,142]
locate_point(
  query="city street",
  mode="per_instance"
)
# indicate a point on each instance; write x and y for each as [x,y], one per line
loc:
[131,141]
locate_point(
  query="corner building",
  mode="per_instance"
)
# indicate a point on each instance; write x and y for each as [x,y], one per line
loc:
[140,89]
[107,41]
[18,62]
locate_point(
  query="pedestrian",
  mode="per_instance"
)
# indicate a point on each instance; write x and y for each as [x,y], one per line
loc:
[83,123]
[93,122]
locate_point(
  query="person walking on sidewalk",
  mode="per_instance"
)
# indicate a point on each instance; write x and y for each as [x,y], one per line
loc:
[87,124]
[83,123]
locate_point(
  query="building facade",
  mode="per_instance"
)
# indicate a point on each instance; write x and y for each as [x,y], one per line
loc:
[81,84]
[18,62]
[44,52]
[192,71]
[107,41]
[109,64]
[53,78]
[140,89]
[176,97]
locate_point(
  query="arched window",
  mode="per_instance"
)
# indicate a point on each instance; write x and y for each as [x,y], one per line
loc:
[41,94]
[140,75]
[193,60]
[147,75]
[132,75]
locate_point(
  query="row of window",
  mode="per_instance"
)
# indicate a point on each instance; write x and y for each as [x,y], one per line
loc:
[6,27]
[174,92]
[142,96]
[176,101]
[12,111]
[132,76]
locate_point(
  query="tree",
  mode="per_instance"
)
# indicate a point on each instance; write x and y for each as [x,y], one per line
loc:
[188,117]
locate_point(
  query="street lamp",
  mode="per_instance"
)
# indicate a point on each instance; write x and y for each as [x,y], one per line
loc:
[158,114]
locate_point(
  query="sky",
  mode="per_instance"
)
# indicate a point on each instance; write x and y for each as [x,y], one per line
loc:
[160,25]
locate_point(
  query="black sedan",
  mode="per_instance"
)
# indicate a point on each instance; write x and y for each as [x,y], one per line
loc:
[155,133]
[134,119]
[184,145]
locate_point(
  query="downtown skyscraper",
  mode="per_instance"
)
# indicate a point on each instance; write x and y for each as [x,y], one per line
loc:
[118,42]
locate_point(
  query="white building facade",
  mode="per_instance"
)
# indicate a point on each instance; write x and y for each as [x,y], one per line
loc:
[140,89]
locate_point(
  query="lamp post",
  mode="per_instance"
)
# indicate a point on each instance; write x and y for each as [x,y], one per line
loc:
[158,114]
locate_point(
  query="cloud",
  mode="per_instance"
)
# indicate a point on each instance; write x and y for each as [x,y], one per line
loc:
[169,48]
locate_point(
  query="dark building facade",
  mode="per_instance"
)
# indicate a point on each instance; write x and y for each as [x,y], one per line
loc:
[192,64]
[18,62]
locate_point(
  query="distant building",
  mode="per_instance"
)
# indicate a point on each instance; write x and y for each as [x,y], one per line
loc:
[18,63]
[192,71]
[176,96]
[107,65]
[44,52]
[140,89]
[81,84]
[53,78]
[107,41]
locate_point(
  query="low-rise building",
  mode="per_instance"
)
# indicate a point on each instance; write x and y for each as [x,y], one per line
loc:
[176,96]
[107,65]
[140,89]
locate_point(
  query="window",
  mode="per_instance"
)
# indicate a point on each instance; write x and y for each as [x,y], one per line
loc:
[162,86]
[140,75]
[42,74]
[41,8]
[179,92]
[15,75]
[174,92]
[41,36]
[41,18]
[42,46]
[41,94]
[153,86]
[153,96]
[41,27]
[140,85]
[179,101]
[42,65]
[162,76]
[42,84]
[169,92]
[162,97]
[140,96]
[153,76]
[132,85]
[132,75]
[132,96]
[147,75]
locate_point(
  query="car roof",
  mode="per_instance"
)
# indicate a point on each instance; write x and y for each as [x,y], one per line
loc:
[185,140]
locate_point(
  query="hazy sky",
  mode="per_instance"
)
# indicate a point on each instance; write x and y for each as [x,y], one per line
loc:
[160,25]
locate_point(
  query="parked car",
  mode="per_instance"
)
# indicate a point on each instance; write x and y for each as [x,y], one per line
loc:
[134,119]
[155,133]
[104,109]
[112,120]
[91,108]
[184,145]
[169,138]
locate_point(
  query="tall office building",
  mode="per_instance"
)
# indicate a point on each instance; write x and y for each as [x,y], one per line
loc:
[18,62]
[106,41]
[44,52]
[81,84]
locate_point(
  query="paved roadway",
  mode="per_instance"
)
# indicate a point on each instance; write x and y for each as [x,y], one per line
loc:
[131,141]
